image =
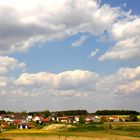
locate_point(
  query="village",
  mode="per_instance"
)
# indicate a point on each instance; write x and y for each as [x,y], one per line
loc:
[22,121]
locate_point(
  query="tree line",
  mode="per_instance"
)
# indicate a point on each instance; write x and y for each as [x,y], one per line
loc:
[116,112]
[47,113]
[70,113]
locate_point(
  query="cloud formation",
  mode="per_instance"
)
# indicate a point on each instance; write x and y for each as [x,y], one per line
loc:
[125,49]
[9,63]
[26,24]
[41,21]
[37,22]
[71,86]
[87,81]
[127,35]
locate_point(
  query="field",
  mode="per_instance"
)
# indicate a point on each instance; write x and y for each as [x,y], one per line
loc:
[106,131]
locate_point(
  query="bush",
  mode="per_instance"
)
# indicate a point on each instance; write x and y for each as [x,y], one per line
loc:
[12,126]
[133,118]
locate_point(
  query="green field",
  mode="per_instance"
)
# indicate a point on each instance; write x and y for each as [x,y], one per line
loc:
[106,131]
[138,117]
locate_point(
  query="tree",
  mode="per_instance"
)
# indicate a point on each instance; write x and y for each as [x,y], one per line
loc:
[133,118]
[2,112]
[81,119]
[116,112]
[46,114]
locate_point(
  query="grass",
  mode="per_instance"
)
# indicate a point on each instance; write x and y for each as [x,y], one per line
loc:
[4,139]
[117,131]
[138,117]
[88,127]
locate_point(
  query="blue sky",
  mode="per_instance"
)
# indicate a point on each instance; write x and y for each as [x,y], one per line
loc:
[65,54]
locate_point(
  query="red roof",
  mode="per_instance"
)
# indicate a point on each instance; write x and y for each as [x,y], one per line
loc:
[45,120]
[17,122]
[30,125]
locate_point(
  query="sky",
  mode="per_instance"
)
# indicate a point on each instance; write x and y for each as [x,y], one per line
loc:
[69,54]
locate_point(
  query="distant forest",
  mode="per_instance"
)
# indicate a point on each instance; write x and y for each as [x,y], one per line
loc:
[116,112]
[47,113]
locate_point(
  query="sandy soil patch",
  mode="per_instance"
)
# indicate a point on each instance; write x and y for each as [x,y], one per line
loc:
[57,127]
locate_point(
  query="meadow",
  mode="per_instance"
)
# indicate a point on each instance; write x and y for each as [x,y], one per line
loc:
[106,131]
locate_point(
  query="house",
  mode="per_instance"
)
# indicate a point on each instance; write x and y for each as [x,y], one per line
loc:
[54,118]
[25,125]
[114,118]
[71,119]
[37,119]
[45,121]
[89,119]
[2,116]
[9,118]
[126,119]
[96,119]
[66,119]
[17,122]
[77,118]
[20,117]
[29,118]
[62,119]
[30,126]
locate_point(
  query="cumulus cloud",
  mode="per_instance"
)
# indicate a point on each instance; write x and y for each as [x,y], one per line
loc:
[80,41]
[79,80]
[127,35]
[72,86]
[132,87]
[9,63]
[37,22]
[126,29]
[62,81]
[125,49]
[45,20]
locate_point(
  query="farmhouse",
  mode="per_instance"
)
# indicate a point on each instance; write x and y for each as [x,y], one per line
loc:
[114,118]
[25,125]
[37,118]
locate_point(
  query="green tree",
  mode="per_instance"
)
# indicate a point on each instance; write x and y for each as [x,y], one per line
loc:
[81,119]
[46,114]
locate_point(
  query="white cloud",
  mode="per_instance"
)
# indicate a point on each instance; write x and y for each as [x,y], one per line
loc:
[73,86]
[93,53]
[62,81]
[77,81]
[9,63]
[127,35]
[79,42]
[45,20]
[126,29]
[125,49]
[36,22]
[32,79]
[130,88]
